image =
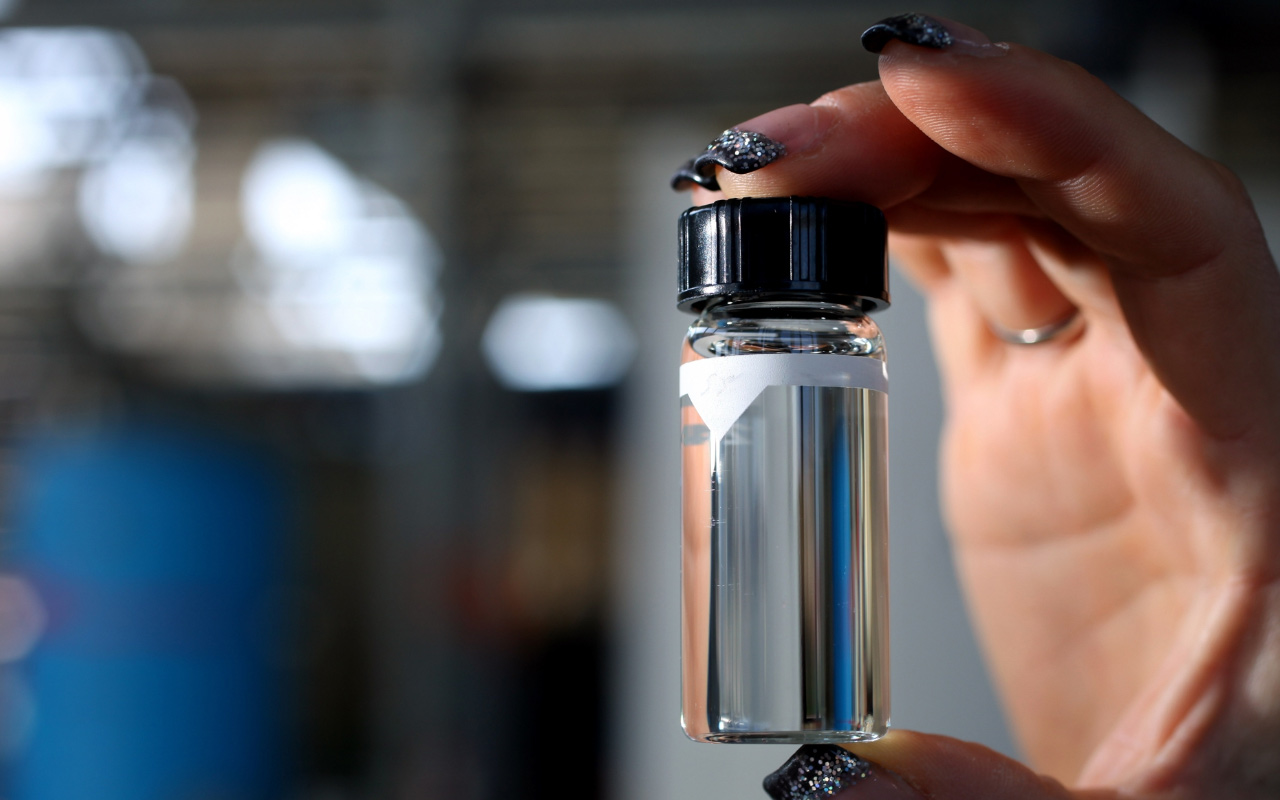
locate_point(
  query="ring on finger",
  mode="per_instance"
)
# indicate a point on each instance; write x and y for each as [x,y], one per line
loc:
[1040,335]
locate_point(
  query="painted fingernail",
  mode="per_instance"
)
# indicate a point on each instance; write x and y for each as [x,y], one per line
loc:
[914,29]
[797,128]
[816,770]
[737,150]
[819,771]
[929,32]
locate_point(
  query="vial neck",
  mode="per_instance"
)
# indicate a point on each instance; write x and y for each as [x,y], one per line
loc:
[780,309]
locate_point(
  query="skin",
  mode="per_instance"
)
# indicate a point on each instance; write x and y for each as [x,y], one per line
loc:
[1113,495]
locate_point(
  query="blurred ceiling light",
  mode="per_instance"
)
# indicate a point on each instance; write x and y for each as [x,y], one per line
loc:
[334,287]
[537,343]
[298,202]
[368,308]
[343,267]
[62,91]
[23,141]
[137,204]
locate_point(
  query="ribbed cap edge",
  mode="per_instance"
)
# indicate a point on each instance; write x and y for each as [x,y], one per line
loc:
[783,247]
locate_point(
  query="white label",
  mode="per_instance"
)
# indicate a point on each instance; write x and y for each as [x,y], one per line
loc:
[721,389]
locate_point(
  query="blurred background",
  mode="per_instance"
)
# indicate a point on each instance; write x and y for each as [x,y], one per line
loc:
[337,380]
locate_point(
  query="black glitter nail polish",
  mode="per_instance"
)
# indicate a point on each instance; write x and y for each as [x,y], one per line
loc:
[738,151]
[914,29]
[816,771]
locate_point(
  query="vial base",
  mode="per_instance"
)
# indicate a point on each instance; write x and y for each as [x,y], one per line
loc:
[790,737]
[785,596]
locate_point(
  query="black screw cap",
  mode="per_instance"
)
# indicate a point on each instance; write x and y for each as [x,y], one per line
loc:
[807,248]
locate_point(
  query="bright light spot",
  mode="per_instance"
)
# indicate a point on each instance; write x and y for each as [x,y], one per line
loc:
[63,97]
[365,304]
[342,267]
[7,7]
[137,204]
[24,140]
[298,202]
[74,99]
[333,288]
[541,343]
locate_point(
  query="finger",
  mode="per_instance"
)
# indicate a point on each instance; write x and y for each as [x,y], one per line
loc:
[959,186]
[1180,236]
[1007,284]
[702,197]
[989,255]
[942,768]
[851,144]
[909,766]
[1073,269]
[919,256]
[854,144]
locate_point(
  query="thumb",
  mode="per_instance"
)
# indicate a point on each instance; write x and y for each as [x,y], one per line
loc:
[910,766]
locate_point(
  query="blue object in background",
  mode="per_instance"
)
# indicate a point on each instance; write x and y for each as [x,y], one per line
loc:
[158,552]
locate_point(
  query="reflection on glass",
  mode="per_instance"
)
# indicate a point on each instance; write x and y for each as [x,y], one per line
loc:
[786,613]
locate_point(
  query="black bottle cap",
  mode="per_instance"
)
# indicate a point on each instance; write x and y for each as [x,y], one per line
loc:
[802,248]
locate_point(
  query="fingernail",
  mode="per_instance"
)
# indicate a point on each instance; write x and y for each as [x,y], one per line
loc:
[738,150]
[826,770]
[932,33]
[797,127]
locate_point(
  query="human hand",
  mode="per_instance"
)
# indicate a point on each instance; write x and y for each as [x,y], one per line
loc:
[1113,494]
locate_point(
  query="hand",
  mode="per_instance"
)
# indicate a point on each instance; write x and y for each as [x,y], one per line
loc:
[1113,494]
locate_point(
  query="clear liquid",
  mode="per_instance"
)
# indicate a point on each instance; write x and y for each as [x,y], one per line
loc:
[785,592]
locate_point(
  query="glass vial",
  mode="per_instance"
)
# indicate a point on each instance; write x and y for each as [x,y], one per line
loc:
[785,494]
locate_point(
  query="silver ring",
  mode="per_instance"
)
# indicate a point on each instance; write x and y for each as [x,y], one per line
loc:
[1039,335]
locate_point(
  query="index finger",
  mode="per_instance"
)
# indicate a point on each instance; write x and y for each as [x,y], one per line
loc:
[1188,261]
[853,143]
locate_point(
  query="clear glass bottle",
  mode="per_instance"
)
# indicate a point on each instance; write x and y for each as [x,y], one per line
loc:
[785,492]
